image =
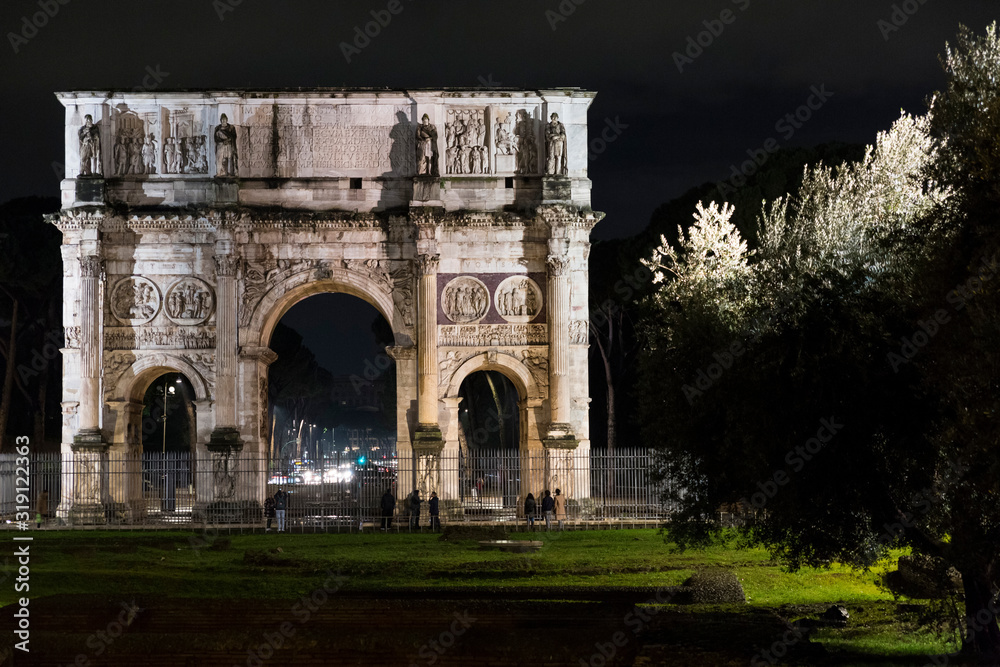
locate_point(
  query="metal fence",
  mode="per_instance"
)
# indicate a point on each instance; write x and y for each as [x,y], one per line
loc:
[339,492]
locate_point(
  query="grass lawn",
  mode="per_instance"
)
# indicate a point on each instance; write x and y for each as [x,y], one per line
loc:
[250,566]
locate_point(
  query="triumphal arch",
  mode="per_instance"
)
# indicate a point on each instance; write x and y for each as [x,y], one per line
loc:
[192,221]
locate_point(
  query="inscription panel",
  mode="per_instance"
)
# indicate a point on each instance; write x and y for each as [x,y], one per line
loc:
[330,141]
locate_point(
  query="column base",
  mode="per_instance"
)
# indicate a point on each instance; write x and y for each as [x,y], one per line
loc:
[89,438]
[227,511]
[225,440]
[87,514]
[560,436]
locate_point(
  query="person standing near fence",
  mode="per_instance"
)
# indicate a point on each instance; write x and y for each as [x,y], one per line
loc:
[415,501]
[388,508]
[560,508]
[548,505]
[280,504]
[432,508]
[268,512]
[529,510]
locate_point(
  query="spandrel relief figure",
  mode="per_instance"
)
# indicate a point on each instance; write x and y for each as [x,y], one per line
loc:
[427,152]
[527,150]
[199,159]
[476,160]
[555,144]
[477,130]
[135,165]
[171,155]
[120,153]
[226,157]
[90,147]
[504,139]
[149,154]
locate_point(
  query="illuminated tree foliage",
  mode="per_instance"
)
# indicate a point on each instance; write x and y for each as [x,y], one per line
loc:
[839,382]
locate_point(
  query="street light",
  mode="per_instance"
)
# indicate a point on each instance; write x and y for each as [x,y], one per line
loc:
[164,416]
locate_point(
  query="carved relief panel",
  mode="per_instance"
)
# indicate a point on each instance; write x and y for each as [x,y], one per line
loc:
[135,145]
[508,299]
[465,135]
[465,299]
[515,140]
[135,300]
[185,146]
[518,299]
[189,301]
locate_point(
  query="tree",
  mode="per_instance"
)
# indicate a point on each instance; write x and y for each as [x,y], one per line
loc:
[30,291]
[962,369]
[812,379]
[616,286]
[619,281]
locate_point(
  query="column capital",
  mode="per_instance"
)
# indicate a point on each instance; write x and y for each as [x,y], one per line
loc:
[558,264]
[91,266]
[225,265]
[427,264]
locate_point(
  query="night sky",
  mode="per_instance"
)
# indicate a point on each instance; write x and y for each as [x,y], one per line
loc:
[673,122]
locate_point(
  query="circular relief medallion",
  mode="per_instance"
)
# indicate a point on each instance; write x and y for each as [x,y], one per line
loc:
[465,300]
[518,299]
[135,300]
[189,301]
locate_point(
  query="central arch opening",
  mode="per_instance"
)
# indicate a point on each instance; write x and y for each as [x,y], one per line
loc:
[168,433]
[489,441]
[331,441]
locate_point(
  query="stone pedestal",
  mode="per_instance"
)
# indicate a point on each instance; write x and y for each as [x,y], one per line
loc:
[88,479]
[426,191]
[560,470]
[557,190]
[90,190]
[427,466]
[226,191]
[506,164]
[223,478]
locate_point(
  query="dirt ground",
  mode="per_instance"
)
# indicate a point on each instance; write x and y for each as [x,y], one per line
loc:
[344,629]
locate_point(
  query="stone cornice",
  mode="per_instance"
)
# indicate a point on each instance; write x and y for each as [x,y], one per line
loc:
[572,217]
[251,220]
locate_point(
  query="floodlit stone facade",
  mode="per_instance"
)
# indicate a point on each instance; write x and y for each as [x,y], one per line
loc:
[192,221]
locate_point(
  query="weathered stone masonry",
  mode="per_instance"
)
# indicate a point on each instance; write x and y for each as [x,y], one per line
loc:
[192,221]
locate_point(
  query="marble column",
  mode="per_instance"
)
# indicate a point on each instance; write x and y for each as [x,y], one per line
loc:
[407,385]
[226,434]
[219,475]
[560,433]
[428,429]
[88,466]
[88,429]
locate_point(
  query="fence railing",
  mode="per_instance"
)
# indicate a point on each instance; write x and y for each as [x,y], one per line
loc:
[340,492]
